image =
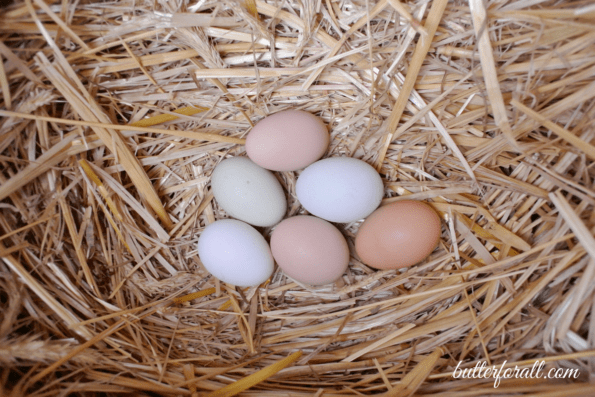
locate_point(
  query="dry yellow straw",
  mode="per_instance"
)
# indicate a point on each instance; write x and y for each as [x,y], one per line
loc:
[184,134]
[111,205]
[255,378]
[4,86]
[224,306]
[510,248]
[419,55]
[490,75]
[414,379]
[95,179]
[30,225]
[403,12]
[100,336]
[562,132]
[195,295]
[251,7]
[165,117]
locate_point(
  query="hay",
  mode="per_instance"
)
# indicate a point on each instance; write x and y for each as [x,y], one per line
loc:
[114,114]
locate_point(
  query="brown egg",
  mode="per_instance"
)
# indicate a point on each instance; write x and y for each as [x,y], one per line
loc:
[398,235]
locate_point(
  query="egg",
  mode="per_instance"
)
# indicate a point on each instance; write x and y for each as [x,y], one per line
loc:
[310,250]
[235,253]
[287,141]
[248,192]
[398,235]
[340,189]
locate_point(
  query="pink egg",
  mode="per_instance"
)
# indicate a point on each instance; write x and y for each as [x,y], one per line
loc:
[310,250]
[287,141]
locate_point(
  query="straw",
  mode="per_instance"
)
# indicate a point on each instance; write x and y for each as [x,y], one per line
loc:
[114,115]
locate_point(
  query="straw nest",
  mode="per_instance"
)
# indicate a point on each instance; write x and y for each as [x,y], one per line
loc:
[114,115]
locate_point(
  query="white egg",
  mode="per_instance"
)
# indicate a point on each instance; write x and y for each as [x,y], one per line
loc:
[340,189]
[235,253]
[248,192]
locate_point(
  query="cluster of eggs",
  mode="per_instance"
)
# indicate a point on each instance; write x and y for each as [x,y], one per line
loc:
[309,249]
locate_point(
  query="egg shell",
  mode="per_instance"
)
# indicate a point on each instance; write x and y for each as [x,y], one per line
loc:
[398,235]
[310,250]
[248,192]
[287,141]
[235,253]
[340,189]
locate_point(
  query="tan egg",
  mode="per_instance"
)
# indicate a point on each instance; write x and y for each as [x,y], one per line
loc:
[398,235]
[310,250]
[287,141]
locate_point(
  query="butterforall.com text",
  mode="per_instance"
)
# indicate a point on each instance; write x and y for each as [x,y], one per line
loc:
[537,371]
